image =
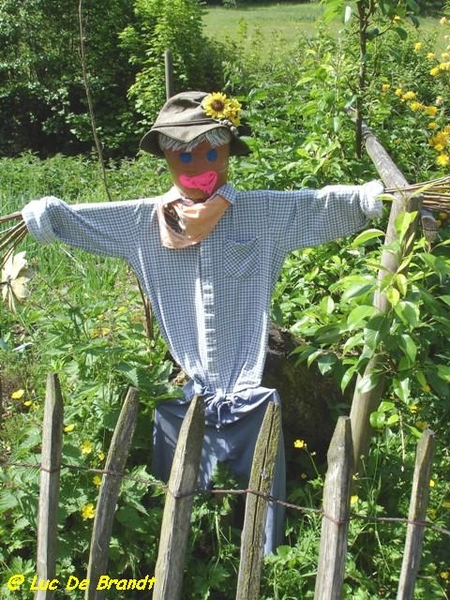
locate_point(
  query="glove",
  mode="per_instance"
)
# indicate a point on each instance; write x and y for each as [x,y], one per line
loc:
[370,203]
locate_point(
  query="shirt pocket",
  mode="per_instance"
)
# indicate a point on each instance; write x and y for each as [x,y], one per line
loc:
[241,260]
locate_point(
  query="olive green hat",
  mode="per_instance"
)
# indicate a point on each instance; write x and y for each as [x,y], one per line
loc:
[189,114]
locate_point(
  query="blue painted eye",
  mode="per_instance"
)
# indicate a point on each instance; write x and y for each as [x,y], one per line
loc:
[186,157]
[211,155]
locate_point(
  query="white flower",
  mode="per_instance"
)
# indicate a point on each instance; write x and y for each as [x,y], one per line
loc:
[14,279]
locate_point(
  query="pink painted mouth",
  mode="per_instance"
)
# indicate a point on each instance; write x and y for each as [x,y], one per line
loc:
[204,182]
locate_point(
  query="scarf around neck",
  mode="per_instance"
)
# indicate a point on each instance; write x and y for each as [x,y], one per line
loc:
[184,223]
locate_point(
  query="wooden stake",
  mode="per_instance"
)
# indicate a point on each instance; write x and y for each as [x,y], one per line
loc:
[261,479]
[417,515]
[109,492]
[176,522]
[336,506]
[49,487]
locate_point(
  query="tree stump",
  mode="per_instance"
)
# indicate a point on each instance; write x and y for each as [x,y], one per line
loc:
[308,399]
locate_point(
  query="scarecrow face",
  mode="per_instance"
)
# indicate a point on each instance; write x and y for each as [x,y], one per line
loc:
[199,172]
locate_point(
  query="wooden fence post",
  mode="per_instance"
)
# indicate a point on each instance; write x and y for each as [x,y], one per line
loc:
[336,508]
[168,67]
[364,403]
[176,521]
[417,514]
[49,486]
[109,492]
[261,478]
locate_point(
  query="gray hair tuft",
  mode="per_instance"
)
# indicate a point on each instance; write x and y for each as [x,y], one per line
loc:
[216,137]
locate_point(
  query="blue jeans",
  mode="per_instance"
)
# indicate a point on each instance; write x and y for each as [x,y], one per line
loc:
[232,425]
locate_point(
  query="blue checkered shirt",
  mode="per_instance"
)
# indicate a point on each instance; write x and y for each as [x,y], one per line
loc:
[211,300]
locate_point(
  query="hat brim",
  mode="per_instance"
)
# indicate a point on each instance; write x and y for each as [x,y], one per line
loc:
[186,134]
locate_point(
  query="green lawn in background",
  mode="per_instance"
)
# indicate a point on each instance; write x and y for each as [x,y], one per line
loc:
[285,23]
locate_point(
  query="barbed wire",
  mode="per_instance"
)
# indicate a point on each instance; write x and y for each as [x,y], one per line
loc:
[225,491]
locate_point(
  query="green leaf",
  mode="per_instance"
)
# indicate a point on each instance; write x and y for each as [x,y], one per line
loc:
[347,377]
[376,330]
[445,298]
[408,312]
[358,289]
[367,235]
[402,33]
[326,363]
[327,305]
[444,372]
[393,296]
[359,314]
[402,388]
[368,382]
[408,346]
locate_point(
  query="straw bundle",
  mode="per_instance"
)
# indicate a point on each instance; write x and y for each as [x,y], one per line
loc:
[11,238]
[435,193]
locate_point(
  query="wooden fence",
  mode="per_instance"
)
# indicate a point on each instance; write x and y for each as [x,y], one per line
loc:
[180,493]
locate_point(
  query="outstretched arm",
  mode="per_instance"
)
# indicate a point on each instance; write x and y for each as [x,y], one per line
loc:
[311,217]
[106,228]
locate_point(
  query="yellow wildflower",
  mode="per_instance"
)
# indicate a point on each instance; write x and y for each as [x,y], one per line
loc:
[432,483]
[100,332]
[431,55]
[445,56]
[69,428]
[397,18]
[446,504]
[101,456]
[18,394]
[27,403]
[354,499]
[426,388]
[398,92]
[434,71]
[413,408]
[444,575]
[385,87]
[88,511]
[418,46]
[432,125]
[86,447]
[439,141]
[443,21]
[300,444]
[443,160]
[97,480]
[409,96]
[431,110]
[415,106]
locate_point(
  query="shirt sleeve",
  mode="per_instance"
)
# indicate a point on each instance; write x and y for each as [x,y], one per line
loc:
[307,217]
[107,228]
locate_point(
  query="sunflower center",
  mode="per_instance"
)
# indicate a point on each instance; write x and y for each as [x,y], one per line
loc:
[217,105]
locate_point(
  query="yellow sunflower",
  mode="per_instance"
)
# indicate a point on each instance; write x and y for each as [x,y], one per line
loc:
[214,105]
[218,106]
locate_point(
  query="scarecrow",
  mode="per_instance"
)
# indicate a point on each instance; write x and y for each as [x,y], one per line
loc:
[208,257]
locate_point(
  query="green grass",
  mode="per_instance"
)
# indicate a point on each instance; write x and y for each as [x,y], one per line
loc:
[286,22]
[281,25]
